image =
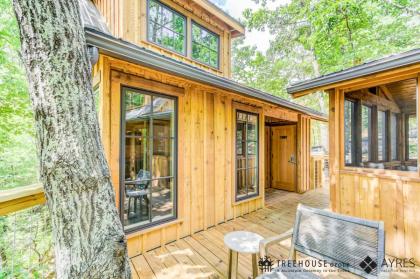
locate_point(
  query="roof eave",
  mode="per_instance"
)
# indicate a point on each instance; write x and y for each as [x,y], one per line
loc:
[132,53]
[370,68]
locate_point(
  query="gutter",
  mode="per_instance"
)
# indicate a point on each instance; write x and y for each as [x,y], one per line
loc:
[127,51]
[369,68]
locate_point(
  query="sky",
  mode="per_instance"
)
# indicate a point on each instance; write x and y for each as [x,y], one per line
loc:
[235,8]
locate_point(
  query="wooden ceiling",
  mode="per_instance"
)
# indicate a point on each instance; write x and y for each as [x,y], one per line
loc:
[404,94]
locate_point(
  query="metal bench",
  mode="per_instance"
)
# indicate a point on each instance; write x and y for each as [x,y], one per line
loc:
[352,244]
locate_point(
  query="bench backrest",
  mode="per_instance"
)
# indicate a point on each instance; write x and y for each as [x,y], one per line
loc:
[350,243]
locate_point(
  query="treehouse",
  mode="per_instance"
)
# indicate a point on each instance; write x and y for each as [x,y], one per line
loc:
[374,138]
[188,147]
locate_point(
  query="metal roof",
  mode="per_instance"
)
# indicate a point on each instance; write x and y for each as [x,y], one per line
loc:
[91,17]
[388,63]
[127,51]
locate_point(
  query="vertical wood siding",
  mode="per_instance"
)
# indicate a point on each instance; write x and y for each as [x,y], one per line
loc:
[206,129]
[393,197]
[128,20]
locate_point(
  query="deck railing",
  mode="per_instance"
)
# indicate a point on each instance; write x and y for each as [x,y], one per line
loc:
[26,249]
[25,234]
[317,166]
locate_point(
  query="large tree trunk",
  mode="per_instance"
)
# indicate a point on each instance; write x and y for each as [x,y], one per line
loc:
[88,236]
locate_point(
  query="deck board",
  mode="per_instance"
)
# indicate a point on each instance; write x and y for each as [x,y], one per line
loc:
[204,255]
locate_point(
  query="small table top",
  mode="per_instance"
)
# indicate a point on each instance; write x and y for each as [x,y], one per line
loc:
[243,241]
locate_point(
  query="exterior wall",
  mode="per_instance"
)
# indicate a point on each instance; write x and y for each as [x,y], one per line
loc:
[127,19]
[304,153]
[206,149]
[390,196]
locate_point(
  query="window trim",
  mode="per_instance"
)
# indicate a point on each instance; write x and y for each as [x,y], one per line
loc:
[122,159]
[185,29]
[247,197]
[193,22]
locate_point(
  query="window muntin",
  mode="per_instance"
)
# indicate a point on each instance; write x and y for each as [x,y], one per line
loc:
[205,46]
[348,132]
[148,186]
[382,135]
[412,137]
[246,155]
[366,133]
[166,27]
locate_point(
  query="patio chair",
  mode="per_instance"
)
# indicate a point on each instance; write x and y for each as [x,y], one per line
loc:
[349,243]
[136,191]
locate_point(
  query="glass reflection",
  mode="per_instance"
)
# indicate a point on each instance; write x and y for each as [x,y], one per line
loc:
[149,164]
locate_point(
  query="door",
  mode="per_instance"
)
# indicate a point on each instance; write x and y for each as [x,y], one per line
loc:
[283,157]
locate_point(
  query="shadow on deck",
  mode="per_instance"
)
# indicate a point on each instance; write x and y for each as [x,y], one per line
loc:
[204,255]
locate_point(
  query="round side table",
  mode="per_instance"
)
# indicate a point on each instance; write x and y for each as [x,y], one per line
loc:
[242,242]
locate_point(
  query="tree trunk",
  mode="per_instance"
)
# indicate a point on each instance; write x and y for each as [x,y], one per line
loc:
[88,236]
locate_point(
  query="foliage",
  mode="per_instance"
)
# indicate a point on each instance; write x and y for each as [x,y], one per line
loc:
[18,159]
[25,244]
[317,37]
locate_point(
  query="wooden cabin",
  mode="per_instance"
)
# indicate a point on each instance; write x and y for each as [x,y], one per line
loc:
[188,148]
[373,148]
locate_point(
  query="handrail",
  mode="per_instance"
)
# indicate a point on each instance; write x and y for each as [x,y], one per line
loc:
[21,198]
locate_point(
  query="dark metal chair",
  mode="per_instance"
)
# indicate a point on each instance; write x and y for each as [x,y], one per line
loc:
[136,191]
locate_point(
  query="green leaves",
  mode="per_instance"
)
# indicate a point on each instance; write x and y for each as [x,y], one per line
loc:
[317,37]
[18,158]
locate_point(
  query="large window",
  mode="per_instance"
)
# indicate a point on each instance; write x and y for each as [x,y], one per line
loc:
[148,176]
[380,127]
[205,46]
[382,135]
[366,133]
[167,28]
[394,131]
[412,137]
[348,132]
[246,155]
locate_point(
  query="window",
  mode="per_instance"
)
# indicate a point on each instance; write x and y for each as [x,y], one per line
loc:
[366,133]
[148,176]
[394,137]
[381,135]
[380,127]
[348,132]
[205,46]
[246,155]
[167,28]
[412,137]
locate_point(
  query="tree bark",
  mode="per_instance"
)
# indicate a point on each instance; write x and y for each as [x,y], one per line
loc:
[88,236]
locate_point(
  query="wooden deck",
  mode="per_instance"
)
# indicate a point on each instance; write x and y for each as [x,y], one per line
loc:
[204,255]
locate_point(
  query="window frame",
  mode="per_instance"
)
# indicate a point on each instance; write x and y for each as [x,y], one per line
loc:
[407,137]
[257,167]
[185,33]
[193,22]
[397,132]
[353,147]
[121,191]
[370,133]
[384,137]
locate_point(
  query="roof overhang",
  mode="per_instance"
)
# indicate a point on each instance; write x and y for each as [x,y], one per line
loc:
[237,28]
[395,63]
[127,51]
